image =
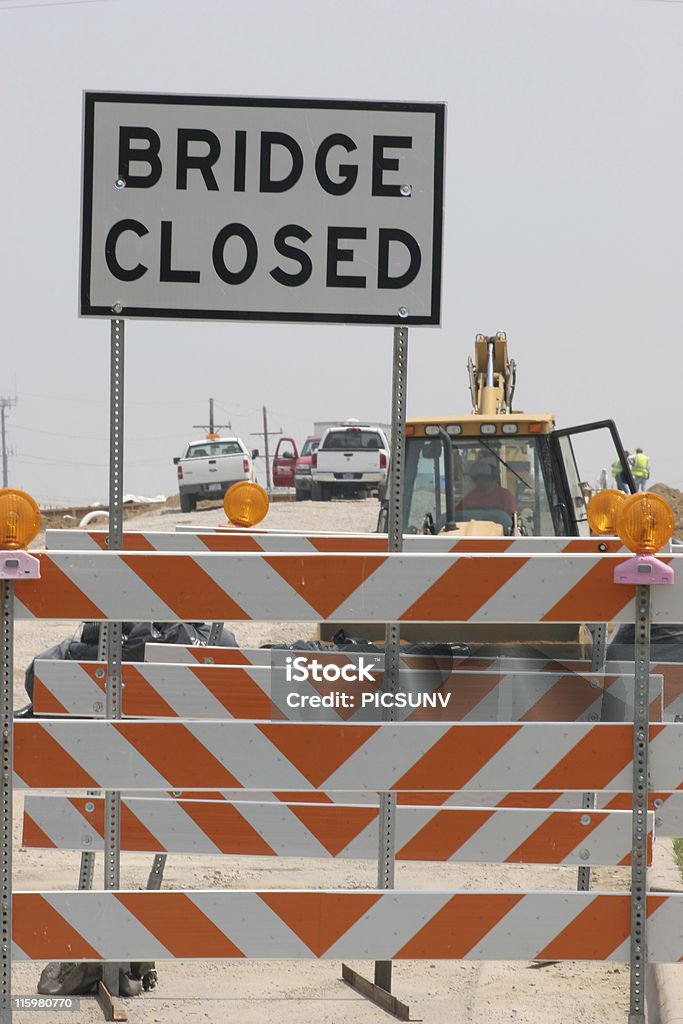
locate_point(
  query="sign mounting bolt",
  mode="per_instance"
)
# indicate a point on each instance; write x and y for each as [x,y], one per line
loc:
[120,183]
[403,312]
[406,190]
[117,307]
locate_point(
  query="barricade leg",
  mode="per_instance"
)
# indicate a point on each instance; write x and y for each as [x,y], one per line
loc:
[639,828]
[6,715]
[598,656]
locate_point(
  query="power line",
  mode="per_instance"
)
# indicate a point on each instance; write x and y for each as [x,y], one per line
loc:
[90,437]
[54,3]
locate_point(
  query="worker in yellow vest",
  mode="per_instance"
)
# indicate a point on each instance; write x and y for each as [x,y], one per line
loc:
[640,469]
[617,472]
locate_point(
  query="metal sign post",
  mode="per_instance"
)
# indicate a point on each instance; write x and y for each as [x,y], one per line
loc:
[380,991]
[635,571]
[112,634]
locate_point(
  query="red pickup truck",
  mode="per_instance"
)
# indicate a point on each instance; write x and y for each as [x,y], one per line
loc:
[292,468]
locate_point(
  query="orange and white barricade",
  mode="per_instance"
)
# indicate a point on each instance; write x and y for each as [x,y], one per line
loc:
[196,756]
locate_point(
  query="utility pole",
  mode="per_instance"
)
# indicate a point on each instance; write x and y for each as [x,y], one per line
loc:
[211,426]
[5,403]
[265,434]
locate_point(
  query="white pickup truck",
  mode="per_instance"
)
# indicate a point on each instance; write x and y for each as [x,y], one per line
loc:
[351,459]
[207,468]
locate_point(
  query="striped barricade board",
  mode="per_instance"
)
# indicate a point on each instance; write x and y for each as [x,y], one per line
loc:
[261,657]
[200,755]
[351,587]
[667,807]
[671,672]
[254,828]
[224,691]
[337,925]
[308,543]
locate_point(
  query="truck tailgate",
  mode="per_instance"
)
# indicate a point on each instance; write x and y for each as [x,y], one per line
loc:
[358,461]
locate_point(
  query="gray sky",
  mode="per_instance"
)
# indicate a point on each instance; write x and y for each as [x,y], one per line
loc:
[563,221]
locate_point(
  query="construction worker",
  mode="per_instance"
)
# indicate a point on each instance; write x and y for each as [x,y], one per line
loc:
[618,470]
[641,469]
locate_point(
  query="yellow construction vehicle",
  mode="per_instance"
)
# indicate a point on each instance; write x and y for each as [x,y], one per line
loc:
[497,470]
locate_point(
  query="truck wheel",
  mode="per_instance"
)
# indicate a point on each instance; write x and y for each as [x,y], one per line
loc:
[316,492]
[188,503]
[326,492]
[300,495]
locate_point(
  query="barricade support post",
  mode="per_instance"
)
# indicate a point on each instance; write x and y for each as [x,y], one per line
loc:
[13,565]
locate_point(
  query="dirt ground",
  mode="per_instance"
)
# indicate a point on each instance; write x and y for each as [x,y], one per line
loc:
[310,992]
[675,500]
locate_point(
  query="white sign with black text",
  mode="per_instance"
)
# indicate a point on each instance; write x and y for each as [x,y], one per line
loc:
[226,208]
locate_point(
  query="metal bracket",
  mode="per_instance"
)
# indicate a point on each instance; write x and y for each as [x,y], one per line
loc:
[19,565]
[375,993]
[644,570]
[113,1010]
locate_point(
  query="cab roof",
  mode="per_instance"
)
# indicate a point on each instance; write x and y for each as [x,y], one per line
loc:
[538,423]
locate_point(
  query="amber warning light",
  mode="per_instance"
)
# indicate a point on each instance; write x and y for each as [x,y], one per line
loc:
[19,524]
[602,511]
[19,519]
[245,503]
[645,523]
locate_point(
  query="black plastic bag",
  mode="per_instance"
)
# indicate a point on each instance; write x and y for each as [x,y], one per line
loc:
[135,636]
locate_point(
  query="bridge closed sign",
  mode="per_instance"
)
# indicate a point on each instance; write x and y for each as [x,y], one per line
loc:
[210,207]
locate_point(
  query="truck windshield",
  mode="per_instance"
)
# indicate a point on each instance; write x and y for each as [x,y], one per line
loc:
[352,439]
[493,479]
[310,445]
[213,448]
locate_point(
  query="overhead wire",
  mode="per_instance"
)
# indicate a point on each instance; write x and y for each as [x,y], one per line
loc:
[47,3]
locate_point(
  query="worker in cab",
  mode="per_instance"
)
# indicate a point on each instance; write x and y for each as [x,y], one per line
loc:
[640,468]
[486,492]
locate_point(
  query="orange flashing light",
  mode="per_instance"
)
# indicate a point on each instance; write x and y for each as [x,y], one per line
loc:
[410,429]
[645,522]
[19,519]
[245,503]
[535,428]
[603,509]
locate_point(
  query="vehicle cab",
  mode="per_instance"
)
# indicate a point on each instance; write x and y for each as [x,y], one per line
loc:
[512,471]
